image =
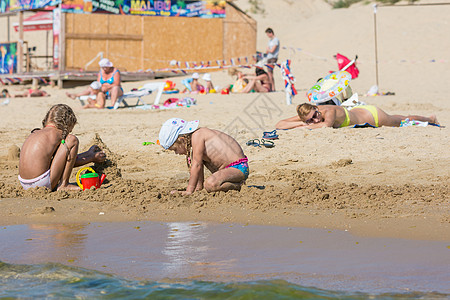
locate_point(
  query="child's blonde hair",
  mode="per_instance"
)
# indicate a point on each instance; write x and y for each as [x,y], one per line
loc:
[232,71]
[304,109]
[188,138]
[62,116]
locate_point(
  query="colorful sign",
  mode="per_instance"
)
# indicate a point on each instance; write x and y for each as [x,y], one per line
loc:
[4,6]
[202,9]
[8,56]
[166,8]
[17,5]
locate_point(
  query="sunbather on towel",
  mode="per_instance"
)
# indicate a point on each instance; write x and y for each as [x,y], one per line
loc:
[92,90]
[48,155]
[313,116]
[219,152]
[33,92]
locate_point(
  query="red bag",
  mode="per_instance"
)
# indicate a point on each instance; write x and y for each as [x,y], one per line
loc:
[343,61]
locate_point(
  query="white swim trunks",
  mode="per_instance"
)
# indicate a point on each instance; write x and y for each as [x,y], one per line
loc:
[41,180]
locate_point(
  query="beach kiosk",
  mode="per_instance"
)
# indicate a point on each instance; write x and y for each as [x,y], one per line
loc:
[139,36]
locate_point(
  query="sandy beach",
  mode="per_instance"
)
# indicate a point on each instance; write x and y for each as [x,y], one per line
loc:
[378,182]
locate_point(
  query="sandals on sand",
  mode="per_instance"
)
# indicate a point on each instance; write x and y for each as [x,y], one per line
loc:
[259,143]
[270,135]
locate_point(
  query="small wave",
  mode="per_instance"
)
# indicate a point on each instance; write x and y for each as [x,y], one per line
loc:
[53,280]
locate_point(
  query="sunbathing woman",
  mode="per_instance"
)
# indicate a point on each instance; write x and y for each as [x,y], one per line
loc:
[312,116]
[260,83]
[33,92]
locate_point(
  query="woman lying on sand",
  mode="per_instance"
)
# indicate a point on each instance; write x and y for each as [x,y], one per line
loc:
[313,116]
[33,92]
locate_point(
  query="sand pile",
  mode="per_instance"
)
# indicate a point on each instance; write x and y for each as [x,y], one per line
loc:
[109,166]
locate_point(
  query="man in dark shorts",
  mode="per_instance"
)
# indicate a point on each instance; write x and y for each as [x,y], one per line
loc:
[272,53]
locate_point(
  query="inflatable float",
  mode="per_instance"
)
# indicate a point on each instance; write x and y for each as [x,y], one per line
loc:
[329,87]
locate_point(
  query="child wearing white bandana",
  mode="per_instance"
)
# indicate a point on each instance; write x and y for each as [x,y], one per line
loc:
[216,150]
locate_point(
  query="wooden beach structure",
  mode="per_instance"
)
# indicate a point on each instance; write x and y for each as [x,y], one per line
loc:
[145,47]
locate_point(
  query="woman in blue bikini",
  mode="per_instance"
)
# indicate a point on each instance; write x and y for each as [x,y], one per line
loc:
[109,78]
[313,116]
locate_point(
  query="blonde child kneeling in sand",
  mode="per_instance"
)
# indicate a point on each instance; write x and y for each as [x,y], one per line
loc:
[219,152]
[49,154]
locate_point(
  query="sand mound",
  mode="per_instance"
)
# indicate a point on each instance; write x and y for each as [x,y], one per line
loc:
[109,166]
[280,189]
[13,153]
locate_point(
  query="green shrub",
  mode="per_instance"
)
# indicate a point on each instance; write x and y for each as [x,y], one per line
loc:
[256,7]
[344,3]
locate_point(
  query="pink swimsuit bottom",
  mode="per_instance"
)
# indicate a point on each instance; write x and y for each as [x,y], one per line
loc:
[241,165]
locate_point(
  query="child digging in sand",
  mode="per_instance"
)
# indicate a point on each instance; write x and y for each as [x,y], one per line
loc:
[49,154]
[219,152]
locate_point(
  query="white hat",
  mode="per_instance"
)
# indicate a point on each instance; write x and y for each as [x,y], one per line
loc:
[95,85]
[172,128]
[104,62]
[207,77]
[195,76]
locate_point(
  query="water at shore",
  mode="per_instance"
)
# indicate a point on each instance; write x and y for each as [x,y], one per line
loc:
[199,260]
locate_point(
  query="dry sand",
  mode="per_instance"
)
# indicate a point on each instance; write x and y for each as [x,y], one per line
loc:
[377,182]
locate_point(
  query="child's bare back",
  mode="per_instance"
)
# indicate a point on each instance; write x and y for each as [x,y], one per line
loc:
[49,154]
[38,151]
[216,150]
[220,148]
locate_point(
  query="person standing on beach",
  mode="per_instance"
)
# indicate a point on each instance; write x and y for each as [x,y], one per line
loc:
[273,48]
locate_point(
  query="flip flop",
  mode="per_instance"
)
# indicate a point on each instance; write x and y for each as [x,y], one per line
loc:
[365,125]
[254,143]
[270,135]
[267,144]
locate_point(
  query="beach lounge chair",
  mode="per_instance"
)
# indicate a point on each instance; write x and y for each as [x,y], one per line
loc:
[147,89]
